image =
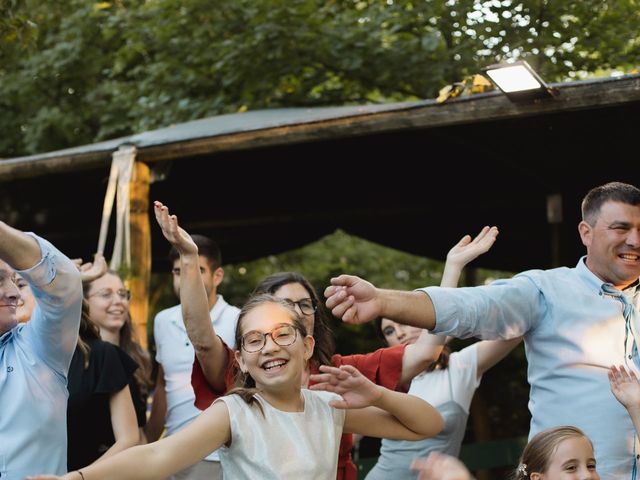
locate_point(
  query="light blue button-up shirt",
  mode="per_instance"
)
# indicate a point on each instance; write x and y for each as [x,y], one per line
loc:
[573,333]
[34,361]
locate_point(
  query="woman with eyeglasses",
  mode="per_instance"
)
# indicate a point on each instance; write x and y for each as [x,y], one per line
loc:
[108,302]
[270,427]
[215,366]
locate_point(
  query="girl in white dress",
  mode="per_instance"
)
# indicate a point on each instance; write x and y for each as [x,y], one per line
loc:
[271,428]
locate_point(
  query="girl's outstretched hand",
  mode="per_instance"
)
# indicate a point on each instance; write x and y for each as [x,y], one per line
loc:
[356,390]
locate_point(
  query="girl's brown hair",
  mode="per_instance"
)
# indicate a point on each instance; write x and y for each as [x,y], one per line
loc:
[244,384]
[536,456]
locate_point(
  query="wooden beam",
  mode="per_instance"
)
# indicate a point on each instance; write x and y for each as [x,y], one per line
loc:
[425,114]
[140,273]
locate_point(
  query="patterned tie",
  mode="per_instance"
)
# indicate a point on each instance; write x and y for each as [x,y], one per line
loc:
[630,347]
[631,339]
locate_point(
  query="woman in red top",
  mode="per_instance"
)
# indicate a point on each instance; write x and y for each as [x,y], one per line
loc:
[215,367]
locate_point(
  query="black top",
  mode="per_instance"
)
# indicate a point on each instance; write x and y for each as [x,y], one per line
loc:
[89,429]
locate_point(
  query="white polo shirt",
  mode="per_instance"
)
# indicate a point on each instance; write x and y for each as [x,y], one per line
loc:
[175,353]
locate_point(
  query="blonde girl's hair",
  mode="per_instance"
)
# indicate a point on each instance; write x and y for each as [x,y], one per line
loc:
[537,454]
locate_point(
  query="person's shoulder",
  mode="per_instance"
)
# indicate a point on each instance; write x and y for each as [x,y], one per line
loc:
[228,309]
[545,278]
[168,314]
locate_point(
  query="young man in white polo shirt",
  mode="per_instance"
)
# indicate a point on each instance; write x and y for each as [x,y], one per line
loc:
[173,399]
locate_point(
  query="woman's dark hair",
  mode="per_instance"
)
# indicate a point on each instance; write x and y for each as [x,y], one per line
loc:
[244,384]
[536,456]
[325,345]
[130,344]
[443,360]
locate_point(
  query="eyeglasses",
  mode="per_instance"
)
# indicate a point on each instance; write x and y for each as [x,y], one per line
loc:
[307,306]
[282,335]
[106,295]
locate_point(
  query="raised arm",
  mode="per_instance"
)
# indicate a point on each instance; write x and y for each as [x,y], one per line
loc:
[19,250]
[210,350]
[158,460]
[355,300]
[465,251]
[376,411]
[427,348]
[55,282]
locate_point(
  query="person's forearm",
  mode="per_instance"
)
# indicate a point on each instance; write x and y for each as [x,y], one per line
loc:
[140,462]
[18,249]
[413,412]
[195,311]
[420,355]
[155,424]
[451,274]
[120,445]
[409,308]
[634,413]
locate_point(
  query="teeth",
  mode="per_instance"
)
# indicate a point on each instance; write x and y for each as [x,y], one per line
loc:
[629,256]
[273,364]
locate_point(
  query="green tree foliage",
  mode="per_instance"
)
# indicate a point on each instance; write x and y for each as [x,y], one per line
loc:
[77,71]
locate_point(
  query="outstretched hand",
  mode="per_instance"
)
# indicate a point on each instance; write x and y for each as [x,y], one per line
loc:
[356,390]
[438,466]
[625,387]
[176,235]
[352,299]
[89,271]
[467,250]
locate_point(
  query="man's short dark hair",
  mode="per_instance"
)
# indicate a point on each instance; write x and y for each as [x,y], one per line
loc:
[609,192]
[207,247]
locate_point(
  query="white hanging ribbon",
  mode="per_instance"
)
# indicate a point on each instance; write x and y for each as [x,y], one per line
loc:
[118,188]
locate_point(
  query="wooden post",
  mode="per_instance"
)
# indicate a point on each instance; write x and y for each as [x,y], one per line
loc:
[140,268]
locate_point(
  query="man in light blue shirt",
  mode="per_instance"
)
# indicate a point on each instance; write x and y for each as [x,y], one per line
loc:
[576,323]
[35,357]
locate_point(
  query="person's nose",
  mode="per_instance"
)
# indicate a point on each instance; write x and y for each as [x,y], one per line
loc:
[586,474]
[633,238]
[269,344]
[11,292]
[401,332]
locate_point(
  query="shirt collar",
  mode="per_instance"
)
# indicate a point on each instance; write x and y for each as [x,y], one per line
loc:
[219,307]
[4,338]
[593,281]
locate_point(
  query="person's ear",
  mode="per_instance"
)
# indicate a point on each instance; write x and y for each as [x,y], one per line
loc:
[241,363]
[309,344]
[536,476]
[218,276]
[586,233]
